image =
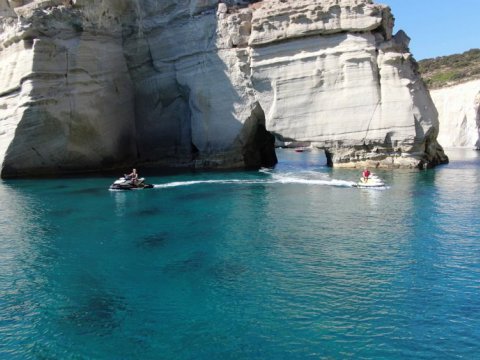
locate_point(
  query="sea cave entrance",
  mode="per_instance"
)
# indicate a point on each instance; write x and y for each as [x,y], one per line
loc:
[259,149]
[300,156]
[266,149]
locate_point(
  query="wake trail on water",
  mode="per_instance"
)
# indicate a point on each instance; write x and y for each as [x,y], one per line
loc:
[306,178]
[198,182]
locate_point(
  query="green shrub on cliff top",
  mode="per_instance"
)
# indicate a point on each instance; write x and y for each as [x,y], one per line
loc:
[449,70]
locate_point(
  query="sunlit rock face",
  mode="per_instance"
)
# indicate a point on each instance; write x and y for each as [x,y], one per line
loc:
[330,73]
[87,85]
[66,94]
[459,114]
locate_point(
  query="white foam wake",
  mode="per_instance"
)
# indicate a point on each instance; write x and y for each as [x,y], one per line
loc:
[198,182]
[333,182]
[307,178]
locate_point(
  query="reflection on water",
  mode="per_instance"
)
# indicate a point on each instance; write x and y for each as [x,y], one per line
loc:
[120,198]
[284,263]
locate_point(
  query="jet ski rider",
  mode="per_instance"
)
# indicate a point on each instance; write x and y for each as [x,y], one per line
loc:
[366,174]
[132,176]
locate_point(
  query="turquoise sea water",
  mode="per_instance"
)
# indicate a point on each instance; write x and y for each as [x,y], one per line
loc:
[290,263]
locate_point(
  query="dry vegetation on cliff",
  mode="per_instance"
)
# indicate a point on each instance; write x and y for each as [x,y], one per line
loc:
[450,70]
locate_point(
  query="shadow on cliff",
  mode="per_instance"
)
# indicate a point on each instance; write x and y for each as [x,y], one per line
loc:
[76,110]
[194,107]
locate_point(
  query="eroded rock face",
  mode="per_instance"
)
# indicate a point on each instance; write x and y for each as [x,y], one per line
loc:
[356,94]
[459,114]
[66,94]
[195,104]
[276,21]
[197,83]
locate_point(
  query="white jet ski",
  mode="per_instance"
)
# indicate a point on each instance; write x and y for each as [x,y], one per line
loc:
[124,183]
[372,181]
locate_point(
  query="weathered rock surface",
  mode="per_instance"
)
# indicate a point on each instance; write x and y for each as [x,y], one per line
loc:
[66,94]
[277,20]
[357,94]
[459,114]
[87,85]
[194,101]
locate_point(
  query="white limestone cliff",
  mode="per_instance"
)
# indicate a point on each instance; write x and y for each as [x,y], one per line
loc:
[459,114]
[356,94]
[195,104]
[66,95]
[91,84]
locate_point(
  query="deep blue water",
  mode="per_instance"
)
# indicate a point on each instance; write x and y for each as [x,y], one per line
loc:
[292,263]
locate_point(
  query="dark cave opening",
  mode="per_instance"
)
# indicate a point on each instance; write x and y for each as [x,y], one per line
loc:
[259,150]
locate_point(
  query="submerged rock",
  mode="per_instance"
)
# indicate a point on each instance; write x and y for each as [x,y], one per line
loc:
[87,85]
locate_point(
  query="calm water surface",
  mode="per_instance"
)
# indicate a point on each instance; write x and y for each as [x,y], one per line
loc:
[291,263]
